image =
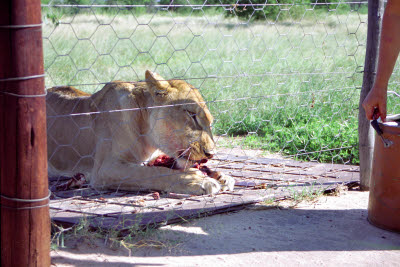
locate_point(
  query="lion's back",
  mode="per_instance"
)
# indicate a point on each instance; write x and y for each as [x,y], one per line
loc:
[75,121]
[69,91]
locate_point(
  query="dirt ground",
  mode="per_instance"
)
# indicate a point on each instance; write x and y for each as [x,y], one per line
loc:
[331,231]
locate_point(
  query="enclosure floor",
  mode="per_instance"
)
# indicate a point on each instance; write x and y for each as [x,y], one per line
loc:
[257,179]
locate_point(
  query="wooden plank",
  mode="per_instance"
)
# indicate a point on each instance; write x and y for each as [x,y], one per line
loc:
[294,171]
[82,192]
[256,171]
[290,177]
[104,209]
[365,132]
[317,170]
[64,218]
[274,165]
[224,159]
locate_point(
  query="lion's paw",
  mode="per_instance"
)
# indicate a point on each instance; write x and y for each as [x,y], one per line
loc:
[199,184]
[227,182]
[210,186]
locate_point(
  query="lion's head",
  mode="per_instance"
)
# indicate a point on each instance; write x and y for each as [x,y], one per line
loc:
[181,121]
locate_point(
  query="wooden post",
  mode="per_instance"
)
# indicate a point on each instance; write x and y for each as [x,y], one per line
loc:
[25,222]
[365,132]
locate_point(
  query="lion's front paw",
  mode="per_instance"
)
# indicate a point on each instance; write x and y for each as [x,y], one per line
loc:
[227,182]
[210,186]
[198,184]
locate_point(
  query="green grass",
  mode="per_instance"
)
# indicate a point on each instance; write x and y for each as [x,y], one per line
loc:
[131,239]
[290,87]
[309,193]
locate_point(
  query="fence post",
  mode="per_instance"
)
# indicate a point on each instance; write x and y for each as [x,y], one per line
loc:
[25,222]
[365,132]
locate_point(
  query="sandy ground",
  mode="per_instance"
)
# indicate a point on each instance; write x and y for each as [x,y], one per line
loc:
[332,231]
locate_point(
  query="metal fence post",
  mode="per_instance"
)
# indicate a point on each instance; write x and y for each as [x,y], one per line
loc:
[365,132]
[25,222]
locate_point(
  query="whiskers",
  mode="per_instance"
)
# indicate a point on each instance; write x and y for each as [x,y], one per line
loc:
[187,159]
[184,158]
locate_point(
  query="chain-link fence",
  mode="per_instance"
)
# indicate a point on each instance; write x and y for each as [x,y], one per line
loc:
[281,80]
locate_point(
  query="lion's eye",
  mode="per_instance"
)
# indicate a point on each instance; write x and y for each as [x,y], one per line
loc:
[193,115]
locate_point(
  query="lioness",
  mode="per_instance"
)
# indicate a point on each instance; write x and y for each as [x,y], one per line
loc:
[112,135]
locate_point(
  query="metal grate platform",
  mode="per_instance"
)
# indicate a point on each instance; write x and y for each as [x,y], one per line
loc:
[257,179]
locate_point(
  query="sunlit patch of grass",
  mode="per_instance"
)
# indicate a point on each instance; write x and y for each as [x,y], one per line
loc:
[287,87]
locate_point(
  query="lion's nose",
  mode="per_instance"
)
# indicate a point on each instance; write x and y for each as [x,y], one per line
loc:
[208,154]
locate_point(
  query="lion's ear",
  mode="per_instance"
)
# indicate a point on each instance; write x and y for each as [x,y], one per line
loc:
[157,84]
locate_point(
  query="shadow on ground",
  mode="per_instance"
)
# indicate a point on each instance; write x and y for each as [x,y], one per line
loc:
[267,230]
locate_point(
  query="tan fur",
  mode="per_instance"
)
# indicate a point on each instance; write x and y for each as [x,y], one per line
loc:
[68,91]
[112,148]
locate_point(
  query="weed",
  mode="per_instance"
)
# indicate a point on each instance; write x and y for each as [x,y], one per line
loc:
[307,193]
[133,239]
[58,237]
[269,202]
[60,234]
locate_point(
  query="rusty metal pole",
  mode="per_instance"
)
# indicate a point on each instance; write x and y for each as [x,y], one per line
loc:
[25,222]
[365,132]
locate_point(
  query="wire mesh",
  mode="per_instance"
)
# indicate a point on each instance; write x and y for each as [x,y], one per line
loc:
[281,79]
